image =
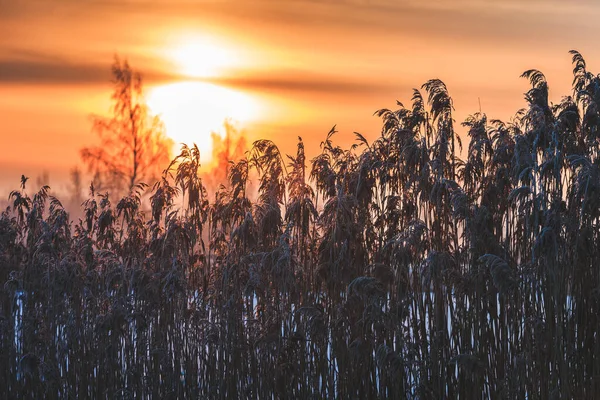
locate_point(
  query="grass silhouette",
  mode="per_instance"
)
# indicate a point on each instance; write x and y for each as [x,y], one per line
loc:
[392,269]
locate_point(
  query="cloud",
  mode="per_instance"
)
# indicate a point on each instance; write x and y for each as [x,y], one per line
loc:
[21,71]
[29,67]
[303,81]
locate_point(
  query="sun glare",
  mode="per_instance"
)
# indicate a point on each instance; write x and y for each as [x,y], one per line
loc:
[191,111]
[202,57]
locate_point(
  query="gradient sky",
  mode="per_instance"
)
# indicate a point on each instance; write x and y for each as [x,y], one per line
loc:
[306,65]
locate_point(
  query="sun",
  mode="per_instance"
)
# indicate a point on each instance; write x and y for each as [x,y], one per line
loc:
[192,111]
[202,57]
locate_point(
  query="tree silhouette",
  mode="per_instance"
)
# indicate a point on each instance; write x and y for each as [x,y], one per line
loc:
[133,147]
[230,146]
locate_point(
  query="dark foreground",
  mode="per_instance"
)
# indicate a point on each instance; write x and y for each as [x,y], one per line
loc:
[391,270]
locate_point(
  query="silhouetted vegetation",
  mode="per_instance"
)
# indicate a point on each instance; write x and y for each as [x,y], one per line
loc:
[393,269]
[133,146]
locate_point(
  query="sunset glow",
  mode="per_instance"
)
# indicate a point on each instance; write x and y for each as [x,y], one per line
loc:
[191,111]
[295,67]
[202,57]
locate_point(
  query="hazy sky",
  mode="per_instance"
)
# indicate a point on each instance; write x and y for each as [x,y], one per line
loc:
[284,68]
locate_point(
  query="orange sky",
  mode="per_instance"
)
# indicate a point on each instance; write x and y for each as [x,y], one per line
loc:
[304,65]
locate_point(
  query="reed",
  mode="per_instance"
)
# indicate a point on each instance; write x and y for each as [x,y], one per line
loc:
[392,269]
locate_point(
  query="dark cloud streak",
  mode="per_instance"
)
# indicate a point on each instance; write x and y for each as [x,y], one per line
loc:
[37,69]
[23,66]
[299,82]
[32,72]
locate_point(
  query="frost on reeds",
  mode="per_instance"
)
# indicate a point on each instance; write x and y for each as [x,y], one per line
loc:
[392,269]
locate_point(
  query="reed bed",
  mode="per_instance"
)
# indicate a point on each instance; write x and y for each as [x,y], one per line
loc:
[390,270]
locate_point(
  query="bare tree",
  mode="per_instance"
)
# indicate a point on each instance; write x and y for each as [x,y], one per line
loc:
[133,146]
